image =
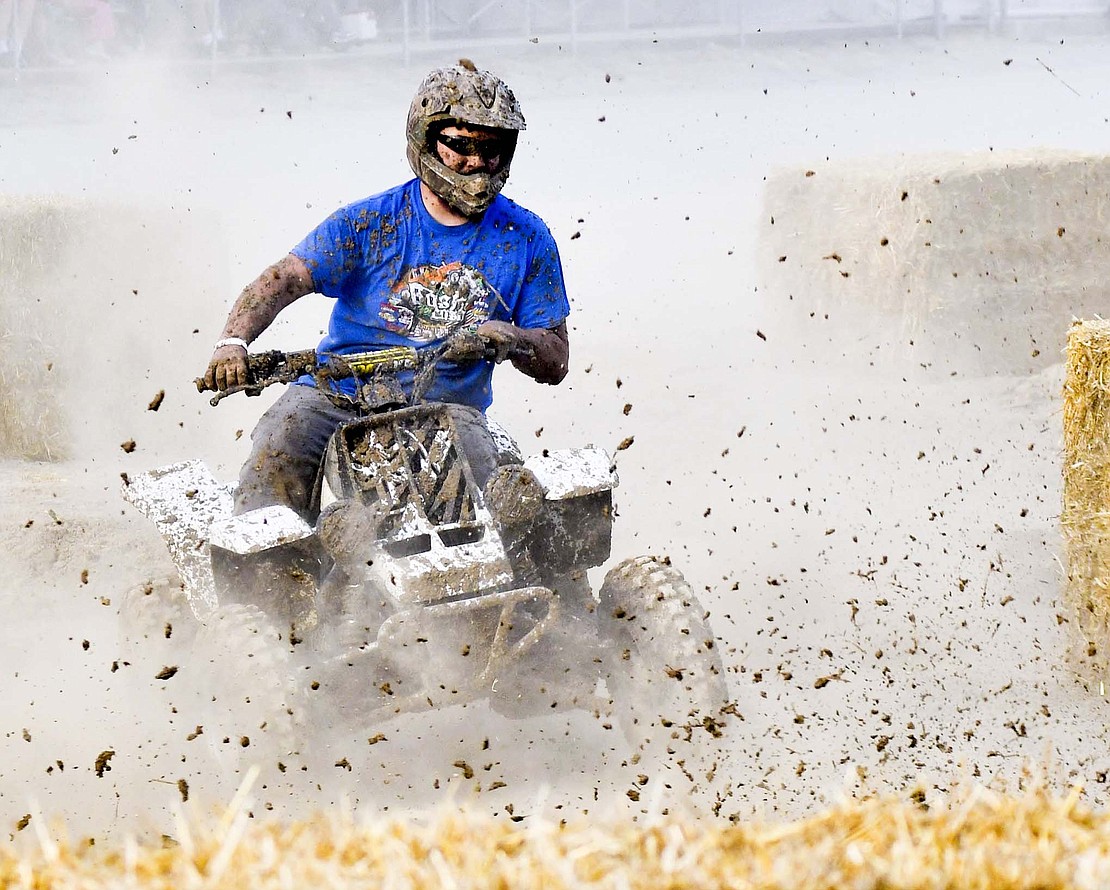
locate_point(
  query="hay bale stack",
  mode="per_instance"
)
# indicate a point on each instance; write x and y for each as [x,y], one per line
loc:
[34,234]
[88,295]
[983,840]
[1085,517]
[979,256]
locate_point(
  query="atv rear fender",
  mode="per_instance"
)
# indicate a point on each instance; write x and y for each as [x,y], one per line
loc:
[268,557]
[183,500]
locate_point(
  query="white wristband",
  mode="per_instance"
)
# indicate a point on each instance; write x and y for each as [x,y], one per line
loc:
[231,341]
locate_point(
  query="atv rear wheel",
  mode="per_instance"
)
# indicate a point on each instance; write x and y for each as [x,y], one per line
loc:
[242,673]
[156,627]
[660,659]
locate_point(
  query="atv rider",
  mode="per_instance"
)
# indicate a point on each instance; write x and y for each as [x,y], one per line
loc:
[441,254]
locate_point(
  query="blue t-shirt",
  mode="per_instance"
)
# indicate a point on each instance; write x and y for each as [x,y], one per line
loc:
[400,278]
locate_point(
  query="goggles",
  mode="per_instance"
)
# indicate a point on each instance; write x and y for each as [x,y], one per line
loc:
[470,146]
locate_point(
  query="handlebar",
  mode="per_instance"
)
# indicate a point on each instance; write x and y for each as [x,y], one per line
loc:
[268,368]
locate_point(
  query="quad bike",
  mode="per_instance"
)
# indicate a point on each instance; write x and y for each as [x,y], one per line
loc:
[415,589]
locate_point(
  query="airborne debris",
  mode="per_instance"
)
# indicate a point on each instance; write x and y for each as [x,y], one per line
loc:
[156,402]
[102,765]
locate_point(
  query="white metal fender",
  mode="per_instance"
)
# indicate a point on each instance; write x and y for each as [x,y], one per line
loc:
[183,500]
[259,530]
[574,472]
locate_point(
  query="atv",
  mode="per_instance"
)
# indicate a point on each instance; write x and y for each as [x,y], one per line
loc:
[415,588]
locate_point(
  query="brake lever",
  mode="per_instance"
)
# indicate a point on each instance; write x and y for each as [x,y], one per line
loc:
[251,389]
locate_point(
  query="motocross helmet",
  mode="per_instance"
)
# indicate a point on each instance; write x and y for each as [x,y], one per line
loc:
[461,95]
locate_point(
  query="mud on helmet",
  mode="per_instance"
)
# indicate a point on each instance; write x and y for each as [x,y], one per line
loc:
[461,95]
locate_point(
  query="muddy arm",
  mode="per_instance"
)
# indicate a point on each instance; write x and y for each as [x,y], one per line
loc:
[255,309]
[541,353]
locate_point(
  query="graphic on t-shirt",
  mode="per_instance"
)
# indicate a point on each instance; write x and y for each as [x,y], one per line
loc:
[432,302]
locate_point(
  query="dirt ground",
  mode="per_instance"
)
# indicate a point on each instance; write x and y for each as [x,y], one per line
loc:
[873,530]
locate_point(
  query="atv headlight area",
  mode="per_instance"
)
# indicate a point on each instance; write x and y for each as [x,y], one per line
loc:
[435,538]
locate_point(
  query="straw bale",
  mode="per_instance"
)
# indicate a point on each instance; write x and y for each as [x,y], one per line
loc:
[978,839]
[33,232]
[981,255]
[85,285]
[1085,516]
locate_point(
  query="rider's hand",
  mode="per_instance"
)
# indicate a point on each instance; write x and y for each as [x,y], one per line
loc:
[465,346]
[227,368]
[502,336]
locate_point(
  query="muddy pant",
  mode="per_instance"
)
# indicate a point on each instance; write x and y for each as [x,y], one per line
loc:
[289,441]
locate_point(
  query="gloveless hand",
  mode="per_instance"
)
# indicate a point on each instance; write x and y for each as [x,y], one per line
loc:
[227,368]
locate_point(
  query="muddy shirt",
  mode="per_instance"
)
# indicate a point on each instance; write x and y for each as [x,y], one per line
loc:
[400,278]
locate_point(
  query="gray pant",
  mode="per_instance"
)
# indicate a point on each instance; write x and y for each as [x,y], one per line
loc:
[288,444]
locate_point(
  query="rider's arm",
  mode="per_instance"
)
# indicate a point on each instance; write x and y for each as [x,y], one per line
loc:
[541,353]
[257,306]
[538,344]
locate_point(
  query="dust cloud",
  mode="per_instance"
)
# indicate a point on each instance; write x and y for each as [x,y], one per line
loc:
[873,528]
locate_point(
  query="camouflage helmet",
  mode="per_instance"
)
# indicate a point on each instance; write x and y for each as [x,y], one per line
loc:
[461,95]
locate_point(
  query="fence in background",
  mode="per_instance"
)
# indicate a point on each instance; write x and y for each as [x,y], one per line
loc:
[417,22]
[220,27]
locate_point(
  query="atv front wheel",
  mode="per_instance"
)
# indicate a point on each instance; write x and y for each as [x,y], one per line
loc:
[242,673]
[660,659]
[560,671]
